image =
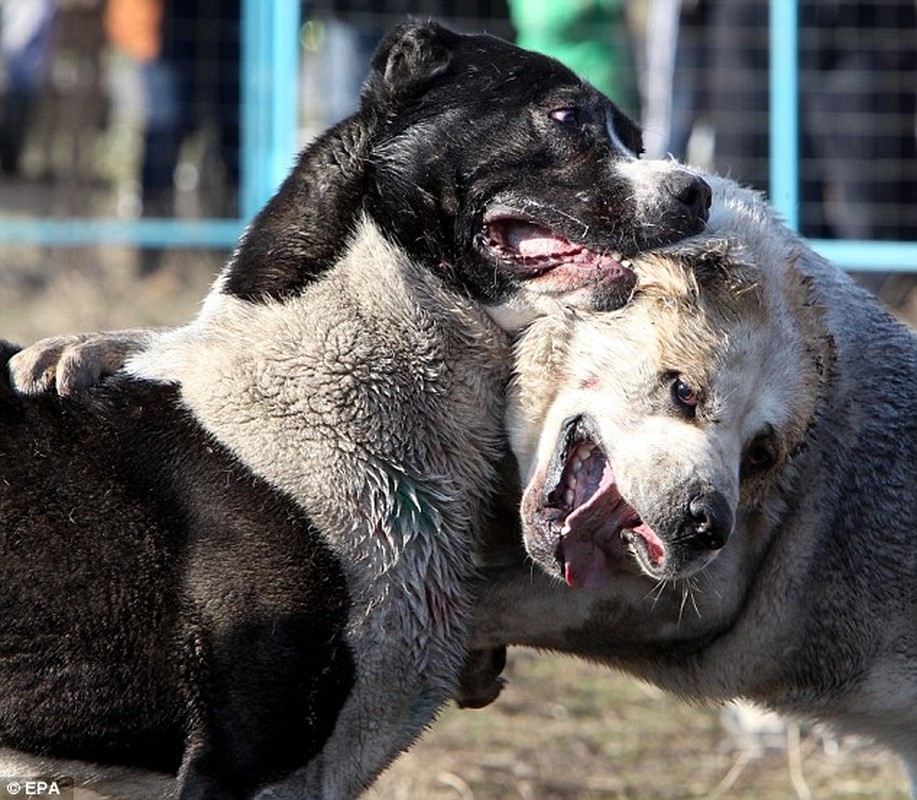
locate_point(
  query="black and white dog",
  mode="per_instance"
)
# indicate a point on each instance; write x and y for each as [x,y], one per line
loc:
[246,557]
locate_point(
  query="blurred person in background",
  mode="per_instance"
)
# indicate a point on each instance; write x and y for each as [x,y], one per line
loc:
[188,52]
[858,87]
[708,63]
[25,42]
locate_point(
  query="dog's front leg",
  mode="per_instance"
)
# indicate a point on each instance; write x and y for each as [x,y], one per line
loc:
[381,719]
[75,361]
[263,694]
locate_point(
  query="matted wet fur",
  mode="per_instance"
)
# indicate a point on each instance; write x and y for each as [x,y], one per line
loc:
[248,555]
[721,486]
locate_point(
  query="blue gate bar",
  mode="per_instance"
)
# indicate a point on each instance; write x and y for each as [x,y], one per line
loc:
[785,153]
[783,83]
[866,256]
[206,233]
[270,72]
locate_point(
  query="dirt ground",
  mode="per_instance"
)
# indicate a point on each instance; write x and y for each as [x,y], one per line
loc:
[563,729]
[568,730]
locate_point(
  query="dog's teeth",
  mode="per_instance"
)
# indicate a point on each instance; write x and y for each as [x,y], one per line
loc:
[625,262]
[568,497]
[617,257]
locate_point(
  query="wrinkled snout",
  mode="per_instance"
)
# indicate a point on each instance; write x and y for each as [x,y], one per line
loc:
[708,521]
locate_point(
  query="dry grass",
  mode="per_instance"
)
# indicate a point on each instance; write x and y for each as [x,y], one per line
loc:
[564,729]
[76,289]
[569,730]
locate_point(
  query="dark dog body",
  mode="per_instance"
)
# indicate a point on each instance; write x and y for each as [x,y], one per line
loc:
[165,513]
[264,530]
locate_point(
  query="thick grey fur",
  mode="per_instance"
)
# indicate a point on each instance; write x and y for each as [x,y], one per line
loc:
[810,608]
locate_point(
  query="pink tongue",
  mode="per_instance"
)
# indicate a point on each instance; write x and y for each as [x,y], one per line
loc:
[533,241]
[594,528]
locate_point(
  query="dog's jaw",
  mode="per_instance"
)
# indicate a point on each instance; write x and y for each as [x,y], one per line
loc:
[529,248]
[541,259]
[577,521]
[550,269]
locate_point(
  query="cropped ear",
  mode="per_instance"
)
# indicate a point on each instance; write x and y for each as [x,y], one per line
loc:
[408,58]
[801,292]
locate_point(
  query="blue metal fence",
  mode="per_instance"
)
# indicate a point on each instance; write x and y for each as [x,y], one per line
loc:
[784,154]
[270,66]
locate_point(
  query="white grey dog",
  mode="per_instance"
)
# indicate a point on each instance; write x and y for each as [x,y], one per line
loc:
[721,486]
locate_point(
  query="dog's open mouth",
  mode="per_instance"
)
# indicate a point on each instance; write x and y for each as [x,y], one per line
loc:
[593,524]
[530,249]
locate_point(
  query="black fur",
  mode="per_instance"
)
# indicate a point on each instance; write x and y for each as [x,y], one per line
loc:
[449,125]
[162,593]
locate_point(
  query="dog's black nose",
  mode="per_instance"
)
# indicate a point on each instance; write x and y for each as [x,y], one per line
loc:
[693,194]
[709,520]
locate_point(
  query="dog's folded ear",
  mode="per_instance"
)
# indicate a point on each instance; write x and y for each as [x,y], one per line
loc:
[407,58]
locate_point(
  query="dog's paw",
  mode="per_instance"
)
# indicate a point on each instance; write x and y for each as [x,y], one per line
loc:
[480,682]
[75,361]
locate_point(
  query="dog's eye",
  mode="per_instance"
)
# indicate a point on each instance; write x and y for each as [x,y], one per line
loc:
[566,116]
[760,455]
[685,397]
